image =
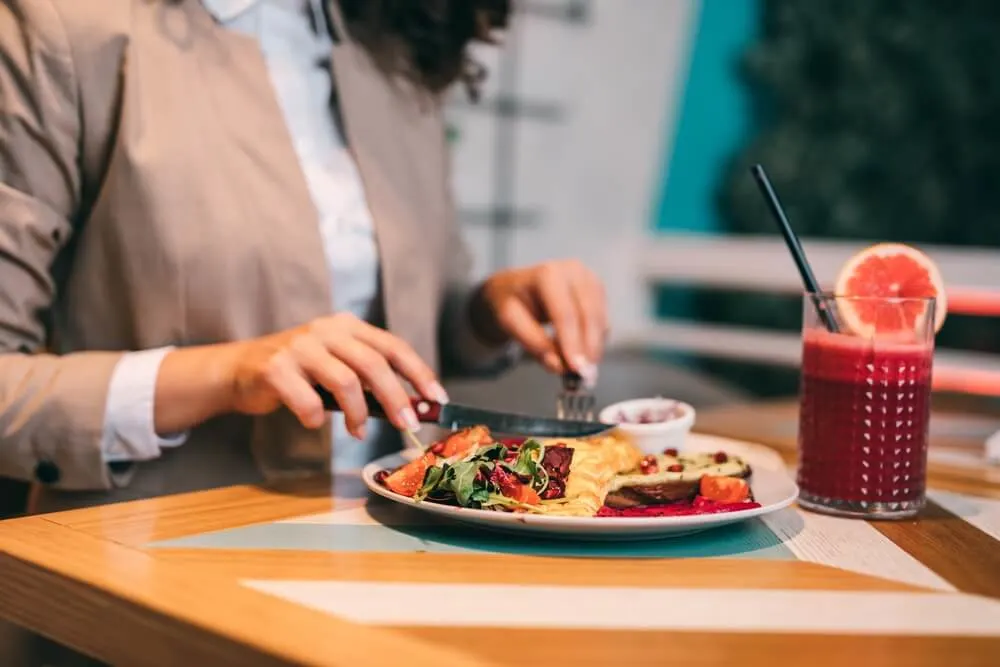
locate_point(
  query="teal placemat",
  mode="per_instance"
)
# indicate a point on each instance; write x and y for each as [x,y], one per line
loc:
[405,531]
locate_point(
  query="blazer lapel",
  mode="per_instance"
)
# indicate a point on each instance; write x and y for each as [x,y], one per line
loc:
[396,137]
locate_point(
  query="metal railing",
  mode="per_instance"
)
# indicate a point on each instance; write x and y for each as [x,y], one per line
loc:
[758,264]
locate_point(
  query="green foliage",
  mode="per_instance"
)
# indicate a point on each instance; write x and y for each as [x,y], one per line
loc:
[878,120]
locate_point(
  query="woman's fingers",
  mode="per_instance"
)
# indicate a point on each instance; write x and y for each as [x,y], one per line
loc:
[556,295]
[518,321]
[571,298]
[401,356]
[588,293]
[287,379]
[375,372]
[346,356]
[342,354]
[316,361]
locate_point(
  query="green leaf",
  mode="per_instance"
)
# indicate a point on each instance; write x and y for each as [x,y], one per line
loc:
[529,463]
[527,459]
[435,475]
[462,482]
[480,494]
[491,452]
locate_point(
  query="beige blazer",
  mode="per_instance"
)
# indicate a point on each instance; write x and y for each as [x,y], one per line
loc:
[150,196]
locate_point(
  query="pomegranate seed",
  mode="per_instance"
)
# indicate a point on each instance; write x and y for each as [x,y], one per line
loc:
[677,467]
[648,465]
[380,476]
[670,451]
[438,447]
[721,457]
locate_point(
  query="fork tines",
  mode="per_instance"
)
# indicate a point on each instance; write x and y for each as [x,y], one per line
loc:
[575,402]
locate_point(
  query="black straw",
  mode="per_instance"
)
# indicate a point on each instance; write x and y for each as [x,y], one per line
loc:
[795,247]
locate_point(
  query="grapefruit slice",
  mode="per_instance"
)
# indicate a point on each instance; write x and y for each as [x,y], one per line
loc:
[889,270]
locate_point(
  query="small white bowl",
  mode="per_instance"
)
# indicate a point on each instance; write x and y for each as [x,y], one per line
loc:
[652,437]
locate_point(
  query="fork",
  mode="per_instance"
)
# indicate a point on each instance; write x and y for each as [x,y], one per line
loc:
[575,402]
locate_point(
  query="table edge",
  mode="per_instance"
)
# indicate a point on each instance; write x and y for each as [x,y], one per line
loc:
[260,629]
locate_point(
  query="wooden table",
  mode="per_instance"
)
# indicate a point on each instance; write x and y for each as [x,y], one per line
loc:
[303,574]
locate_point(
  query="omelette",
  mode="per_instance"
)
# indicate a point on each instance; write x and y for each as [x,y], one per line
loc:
[559,477]
[595,464]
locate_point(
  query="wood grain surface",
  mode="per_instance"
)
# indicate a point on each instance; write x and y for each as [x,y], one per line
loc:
[532,570]
[959,552]
[73,575]
[599,648]
[144,521]
[73,587]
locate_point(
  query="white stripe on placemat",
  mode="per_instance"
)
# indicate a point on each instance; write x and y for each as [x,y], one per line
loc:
[983,513]
[726,610]
[850,544]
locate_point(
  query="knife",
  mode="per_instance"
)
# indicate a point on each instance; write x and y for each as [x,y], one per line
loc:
[455,417]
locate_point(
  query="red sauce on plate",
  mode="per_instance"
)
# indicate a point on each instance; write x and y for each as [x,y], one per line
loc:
[698,506]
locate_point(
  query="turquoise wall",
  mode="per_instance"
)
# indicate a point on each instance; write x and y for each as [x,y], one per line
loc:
[713,118]
[711,124]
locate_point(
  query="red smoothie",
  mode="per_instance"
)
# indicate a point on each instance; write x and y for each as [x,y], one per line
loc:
[865,409]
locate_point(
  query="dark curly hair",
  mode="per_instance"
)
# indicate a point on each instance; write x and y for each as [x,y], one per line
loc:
[426,41]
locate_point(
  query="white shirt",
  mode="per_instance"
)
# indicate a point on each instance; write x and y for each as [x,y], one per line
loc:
[293,52]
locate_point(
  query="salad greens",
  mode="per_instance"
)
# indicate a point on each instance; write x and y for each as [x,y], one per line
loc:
[490,476]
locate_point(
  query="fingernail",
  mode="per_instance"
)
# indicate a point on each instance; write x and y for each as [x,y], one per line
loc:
[360,432]
[587,371]
[409,419]
[438,393]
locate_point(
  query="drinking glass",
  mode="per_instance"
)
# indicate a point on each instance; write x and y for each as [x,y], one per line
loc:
[865,405]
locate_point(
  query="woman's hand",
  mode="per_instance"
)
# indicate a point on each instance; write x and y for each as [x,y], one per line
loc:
[517,303]
[340,352]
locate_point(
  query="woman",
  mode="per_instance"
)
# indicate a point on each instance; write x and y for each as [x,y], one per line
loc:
[206,206]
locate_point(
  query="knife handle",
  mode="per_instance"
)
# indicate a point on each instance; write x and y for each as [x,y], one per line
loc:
[428,412]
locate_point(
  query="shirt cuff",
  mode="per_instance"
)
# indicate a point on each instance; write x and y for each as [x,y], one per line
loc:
[129,433]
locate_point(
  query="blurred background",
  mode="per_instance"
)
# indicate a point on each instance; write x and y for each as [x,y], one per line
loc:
[621,132]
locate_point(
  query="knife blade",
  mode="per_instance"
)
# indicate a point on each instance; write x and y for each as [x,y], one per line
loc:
[454,417]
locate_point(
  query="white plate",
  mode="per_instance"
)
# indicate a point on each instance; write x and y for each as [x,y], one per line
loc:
[772,488]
